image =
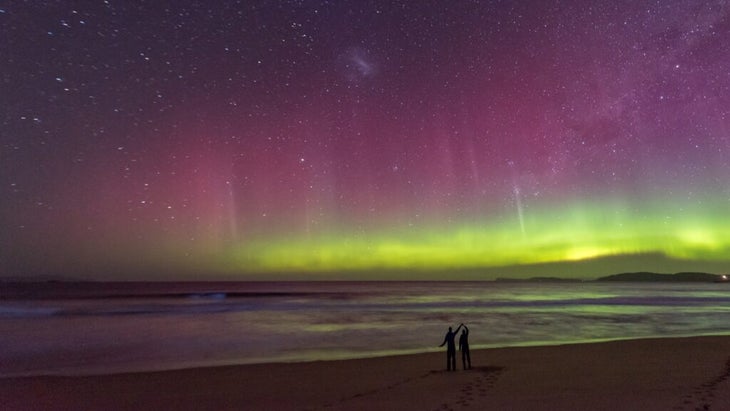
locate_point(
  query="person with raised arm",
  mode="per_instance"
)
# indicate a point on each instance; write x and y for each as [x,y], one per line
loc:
[450,348]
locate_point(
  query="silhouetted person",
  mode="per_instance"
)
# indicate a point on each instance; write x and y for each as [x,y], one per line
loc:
[464,348]
[450,348]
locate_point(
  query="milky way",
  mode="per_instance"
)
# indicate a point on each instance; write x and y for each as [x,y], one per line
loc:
[250,139]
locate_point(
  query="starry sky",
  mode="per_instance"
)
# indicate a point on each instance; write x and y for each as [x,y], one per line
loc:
[363,139]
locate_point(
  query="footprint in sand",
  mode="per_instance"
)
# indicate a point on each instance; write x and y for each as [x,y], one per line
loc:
[702,397]
[485,379]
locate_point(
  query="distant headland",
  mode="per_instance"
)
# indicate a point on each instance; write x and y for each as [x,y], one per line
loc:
[644,276]
[641,276]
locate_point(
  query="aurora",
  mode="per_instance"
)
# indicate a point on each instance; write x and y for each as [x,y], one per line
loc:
[364,140]
[579,233]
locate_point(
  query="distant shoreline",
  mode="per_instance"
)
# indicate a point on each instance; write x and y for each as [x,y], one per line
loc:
[640,276]
[685,276]
[48,288]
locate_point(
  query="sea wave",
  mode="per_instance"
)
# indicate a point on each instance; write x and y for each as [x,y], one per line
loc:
[208,303]
[315,321]
[106,310]
[19,311]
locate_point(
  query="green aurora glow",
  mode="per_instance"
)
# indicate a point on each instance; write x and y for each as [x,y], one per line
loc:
[577,233]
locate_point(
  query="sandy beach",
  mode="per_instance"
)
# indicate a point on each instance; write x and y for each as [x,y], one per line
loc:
[650,374]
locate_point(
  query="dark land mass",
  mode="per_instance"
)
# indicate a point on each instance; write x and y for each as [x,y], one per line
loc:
[658,277]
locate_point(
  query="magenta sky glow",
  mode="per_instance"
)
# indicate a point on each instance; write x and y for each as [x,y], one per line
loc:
[152,139]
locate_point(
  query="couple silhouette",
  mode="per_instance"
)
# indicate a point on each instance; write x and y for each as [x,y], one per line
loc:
[451,348]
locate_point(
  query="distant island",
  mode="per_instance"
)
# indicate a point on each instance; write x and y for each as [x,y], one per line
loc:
[658,277]
[642,276]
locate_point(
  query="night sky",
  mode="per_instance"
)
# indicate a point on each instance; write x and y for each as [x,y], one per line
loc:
[363,139]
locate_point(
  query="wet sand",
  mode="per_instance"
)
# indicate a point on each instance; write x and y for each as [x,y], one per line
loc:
[650,374]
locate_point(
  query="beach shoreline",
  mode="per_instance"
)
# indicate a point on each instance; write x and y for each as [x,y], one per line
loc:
[683,373]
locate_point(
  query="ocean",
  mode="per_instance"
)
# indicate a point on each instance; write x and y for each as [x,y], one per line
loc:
[98,328]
